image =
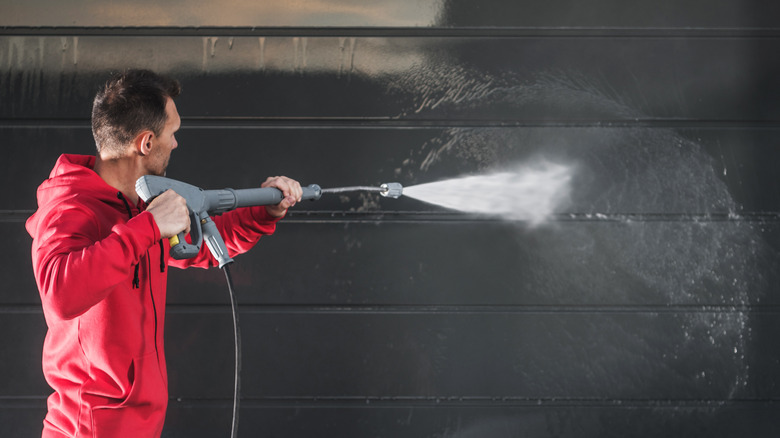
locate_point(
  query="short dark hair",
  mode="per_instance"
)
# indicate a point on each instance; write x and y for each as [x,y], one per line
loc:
[130,102]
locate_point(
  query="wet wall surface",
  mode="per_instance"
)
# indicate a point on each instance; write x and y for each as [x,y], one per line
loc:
[645,305]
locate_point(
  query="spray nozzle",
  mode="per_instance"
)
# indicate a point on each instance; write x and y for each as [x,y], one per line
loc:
[391,190]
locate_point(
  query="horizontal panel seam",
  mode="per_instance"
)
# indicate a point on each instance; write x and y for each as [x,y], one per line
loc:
[262,122]
[436,217]
[39,401]
[510,309]
[471,401]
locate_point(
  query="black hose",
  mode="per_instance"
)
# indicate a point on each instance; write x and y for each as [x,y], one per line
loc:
[237,348]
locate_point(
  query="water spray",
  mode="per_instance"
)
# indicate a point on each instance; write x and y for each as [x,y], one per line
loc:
[530,192]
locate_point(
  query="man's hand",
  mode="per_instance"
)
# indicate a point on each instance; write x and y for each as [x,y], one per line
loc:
[170,213]
[291,190]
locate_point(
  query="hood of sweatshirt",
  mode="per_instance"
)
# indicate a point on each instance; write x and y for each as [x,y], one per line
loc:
[73,176]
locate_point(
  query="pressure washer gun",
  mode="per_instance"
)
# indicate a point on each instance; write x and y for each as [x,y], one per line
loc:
[204,203]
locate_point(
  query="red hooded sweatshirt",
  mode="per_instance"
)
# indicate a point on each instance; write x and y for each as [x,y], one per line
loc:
[100,265]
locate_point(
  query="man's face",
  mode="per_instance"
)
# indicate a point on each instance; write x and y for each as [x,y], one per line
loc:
[163,144]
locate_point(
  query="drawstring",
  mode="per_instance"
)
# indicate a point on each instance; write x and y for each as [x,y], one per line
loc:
[162,256]
[136,281]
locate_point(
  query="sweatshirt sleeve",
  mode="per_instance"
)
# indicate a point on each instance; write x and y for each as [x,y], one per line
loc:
[241,229]
[75,268]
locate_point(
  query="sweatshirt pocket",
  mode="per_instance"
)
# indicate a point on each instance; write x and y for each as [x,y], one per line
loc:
[142,413]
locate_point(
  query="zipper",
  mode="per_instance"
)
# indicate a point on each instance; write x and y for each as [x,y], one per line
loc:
[154,305]
[136,280]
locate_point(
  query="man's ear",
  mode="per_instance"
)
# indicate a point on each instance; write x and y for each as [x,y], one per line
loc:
[143,143]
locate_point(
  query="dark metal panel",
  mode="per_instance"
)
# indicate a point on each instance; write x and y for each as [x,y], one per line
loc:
[476,357]
[22,417]
[615,170]
[20,355]
[537,79]
[30,153]
[597,263]
[19,286]
[727,421]
[192,418]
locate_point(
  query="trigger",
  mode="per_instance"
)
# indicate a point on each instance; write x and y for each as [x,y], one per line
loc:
[174,240]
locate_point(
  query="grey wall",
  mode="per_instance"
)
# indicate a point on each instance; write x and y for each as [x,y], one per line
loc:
[646,306]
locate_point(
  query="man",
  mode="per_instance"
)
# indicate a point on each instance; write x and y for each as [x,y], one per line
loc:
[100,256]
